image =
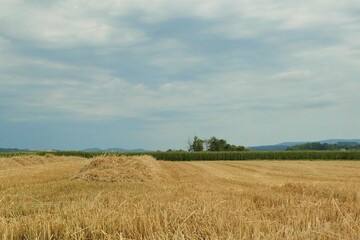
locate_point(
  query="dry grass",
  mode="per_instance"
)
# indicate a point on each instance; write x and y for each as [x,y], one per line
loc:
[30,160]
[109,168]
[188,200]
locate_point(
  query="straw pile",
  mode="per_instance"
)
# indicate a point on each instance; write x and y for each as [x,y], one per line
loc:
[31,160]
[120,169]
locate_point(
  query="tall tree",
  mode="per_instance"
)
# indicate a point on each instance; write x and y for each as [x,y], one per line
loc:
[196,145]
[215,144]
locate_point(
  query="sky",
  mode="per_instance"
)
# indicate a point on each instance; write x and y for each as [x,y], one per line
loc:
[153,74]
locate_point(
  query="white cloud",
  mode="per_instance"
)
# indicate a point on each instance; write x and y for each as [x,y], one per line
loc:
[66,24]
[175,62]
[294,75]
[75,23]
[104,96]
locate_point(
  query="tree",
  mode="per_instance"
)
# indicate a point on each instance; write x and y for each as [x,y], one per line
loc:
[215,144]
[197,145]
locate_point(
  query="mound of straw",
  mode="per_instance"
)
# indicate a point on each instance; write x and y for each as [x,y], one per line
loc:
[109,168]
[31,160]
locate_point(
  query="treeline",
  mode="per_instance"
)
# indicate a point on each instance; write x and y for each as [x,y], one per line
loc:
[212,145]
[317,146]
[13,150]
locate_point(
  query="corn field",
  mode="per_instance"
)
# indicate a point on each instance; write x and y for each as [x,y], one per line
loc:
[213,156]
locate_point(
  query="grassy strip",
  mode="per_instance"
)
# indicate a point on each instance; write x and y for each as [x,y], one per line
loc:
[208,156]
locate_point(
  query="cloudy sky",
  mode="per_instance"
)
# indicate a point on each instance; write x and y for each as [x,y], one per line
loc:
[152,74]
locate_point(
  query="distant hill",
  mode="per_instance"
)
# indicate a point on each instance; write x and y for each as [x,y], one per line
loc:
[276,147]
[284,145]
[115,150]
[92,150]
[289,144]
[85,150]
[13,150]
[326,146]
[268,148]
[335,141]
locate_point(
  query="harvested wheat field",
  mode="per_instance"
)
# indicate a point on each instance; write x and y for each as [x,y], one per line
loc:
[141,198]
